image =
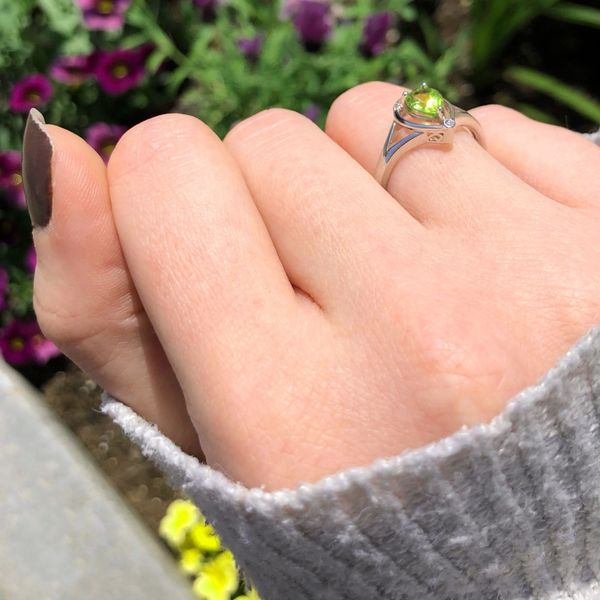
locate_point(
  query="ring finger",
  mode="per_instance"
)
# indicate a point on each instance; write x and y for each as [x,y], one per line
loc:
[450,186]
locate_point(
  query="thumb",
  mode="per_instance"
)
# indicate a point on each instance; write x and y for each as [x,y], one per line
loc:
[83,294]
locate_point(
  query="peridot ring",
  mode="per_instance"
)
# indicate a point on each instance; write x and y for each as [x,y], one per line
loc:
[422,116]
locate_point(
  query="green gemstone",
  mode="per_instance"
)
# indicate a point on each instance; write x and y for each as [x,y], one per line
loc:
[424,101]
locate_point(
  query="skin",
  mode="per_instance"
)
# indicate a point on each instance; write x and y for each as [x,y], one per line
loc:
[263,298]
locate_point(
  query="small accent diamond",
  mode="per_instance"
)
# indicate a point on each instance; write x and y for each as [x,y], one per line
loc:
[449,122]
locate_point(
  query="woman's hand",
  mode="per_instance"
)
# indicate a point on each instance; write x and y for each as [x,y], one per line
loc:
[265,297]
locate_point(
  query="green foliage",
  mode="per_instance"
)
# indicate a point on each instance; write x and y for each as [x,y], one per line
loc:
[206,74]
[575,13]
[495,22]
[63,16]
[567,95]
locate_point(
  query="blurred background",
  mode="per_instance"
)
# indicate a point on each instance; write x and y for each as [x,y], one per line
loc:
[98,67]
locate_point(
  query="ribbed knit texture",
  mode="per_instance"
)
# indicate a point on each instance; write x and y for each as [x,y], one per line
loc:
[506,510]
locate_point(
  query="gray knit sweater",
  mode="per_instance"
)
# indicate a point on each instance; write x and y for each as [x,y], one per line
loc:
[507,510]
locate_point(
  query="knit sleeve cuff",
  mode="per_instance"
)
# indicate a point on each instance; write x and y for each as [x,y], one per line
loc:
[509,509]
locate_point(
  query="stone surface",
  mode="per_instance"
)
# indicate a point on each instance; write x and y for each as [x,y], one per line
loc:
[424,101]
[64,532]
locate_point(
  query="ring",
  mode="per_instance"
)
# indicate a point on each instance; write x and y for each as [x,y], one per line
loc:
[422,116]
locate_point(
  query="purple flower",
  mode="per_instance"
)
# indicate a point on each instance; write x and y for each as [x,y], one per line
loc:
[313,112]
[30,259]
[120,70]
[250,47]
[313,23]
[30,92]
[375,31]
[290,7]
[3,287]
[10,168]
[22,342]
[11,180]
[103,138]
[71,70]
[103,14]
[14,342]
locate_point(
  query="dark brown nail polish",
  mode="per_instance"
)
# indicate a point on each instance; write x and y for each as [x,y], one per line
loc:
[37,169]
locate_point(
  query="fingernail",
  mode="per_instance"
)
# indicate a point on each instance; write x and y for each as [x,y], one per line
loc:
[37,169]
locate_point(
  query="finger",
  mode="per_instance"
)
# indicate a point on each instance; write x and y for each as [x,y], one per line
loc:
[84,298]
[329,220]
[204,265]
[561,164]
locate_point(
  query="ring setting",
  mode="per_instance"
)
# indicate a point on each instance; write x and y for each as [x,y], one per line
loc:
[422,116]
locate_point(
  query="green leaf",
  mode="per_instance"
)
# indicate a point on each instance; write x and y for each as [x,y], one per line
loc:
[14,18]
[575,13]
[495,22]
[78,43]
[569,96]
[63,15]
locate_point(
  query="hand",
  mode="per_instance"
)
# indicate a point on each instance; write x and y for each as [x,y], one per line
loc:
[265,298]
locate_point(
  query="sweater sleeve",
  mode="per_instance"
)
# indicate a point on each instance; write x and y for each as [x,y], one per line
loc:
[509,509]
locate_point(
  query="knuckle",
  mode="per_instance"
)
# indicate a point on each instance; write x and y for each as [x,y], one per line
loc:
[150,140]
[358,93]
[263,123]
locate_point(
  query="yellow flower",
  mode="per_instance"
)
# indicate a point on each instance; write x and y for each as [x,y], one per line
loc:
[250,595]
[218,578]
[180,517]
[190,561]
[204,537]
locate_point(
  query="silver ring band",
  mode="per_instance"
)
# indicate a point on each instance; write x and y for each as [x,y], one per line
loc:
[422,117]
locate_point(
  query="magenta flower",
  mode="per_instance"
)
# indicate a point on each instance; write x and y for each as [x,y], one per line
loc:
[375,31]
[103,138]
[14,342]
[3,288]
[290,7]
[30,259]
[103,14]
[22,342]
[10,168]
[250,47]
[313,22]
[30,92]
[72,70]
[41,348]
[11,180]
[120,70]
